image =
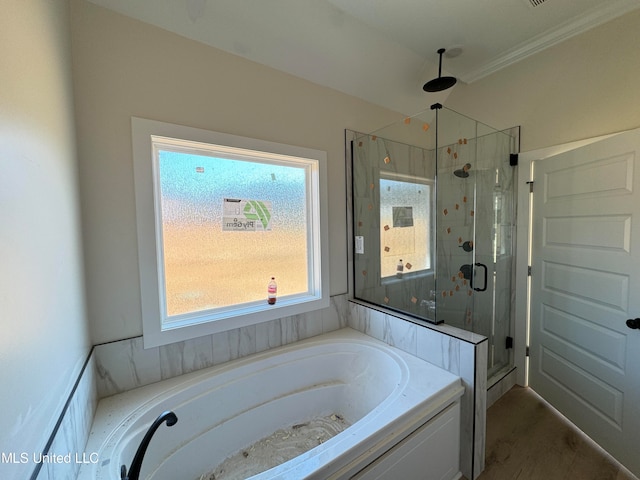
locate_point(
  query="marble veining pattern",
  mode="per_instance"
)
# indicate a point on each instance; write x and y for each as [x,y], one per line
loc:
[187,356]
[125,364]
[336,316]
[268,335]
[234,344]
[441,350]
[456,355]
[480,420]
[74,429]
[399,334]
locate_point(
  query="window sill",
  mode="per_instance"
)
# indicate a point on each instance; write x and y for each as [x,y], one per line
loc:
[177,330]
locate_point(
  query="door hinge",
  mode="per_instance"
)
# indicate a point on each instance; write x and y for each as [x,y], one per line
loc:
[513,159]
[526,353]
[529,271]
[508,343]
[530,186]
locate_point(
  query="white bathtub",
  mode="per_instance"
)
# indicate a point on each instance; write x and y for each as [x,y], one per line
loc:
[385,393]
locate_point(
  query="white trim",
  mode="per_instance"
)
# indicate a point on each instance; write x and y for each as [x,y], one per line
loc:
[521,327]
[155,331]
[575,26]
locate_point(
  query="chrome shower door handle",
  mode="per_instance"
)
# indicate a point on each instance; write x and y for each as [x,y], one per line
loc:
[482,265]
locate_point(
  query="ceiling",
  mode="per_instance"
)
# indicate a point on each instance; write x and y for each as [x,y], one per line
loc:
[382,51]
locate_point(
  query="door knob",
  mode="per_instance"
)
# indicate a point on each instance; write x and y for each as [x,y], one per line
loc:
[633,323]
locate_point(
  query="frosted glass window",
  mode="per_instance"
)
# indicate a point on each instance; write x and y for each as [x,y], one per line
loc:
[214,258]
[218,216]
[405,219]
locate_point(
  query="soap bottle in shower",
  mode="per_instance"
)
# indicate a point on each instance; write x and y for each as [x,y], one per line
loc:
[399,269]
[272,290]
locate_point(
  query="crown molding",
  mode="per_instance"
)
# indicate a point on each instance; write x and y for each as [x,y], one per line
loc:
[575,26]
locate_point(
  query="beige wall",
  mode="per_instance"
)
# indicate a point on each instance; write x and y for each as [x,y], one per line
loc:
[583,87]
[125,68]
[44,339]
[587,86]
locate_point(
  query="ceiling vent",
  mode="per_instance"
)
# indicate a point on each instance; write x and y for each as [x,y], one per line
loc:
[535,3]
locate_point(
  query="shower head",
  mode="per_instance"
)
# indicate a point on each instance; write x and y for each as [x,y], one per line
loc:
[463,172]
[441,83]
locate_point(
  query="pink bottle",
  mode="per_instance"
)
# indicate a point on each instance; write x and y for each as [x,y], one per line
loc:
[272,290]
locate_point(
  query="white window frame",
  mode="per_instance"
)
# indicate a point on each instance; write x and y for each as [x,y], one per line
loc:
[157,330]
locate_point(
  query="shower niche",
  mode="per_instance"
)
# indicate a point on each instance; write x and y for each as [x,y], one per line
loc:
[433,221]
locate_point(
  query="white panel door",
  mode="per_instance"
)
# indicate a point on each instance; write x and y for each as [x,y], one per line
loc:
[585,285]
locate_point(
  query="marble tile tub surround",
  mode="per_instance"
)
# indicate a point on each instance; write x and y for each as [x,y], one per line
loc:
[125,364]
[73,431]
[458,351]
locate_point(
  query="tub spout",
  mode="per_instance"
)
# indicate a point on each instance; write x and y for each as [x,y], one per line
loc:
[136,464]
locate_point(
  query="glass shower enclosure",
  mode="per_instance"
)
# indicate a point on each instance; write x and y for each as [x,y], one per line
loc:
[434,223]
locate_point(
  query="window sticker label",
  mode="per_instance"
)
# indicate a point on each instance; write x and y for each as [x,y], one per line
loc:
[402,216]
[241,215]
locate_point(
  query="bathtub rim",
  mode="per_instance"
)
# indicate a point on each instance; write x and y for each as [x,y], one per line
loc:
[135,424]
[124,406]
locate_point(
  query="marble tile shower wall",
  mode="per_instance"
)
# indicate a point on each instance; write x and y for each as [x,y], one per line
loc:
[125,364]
[376,159]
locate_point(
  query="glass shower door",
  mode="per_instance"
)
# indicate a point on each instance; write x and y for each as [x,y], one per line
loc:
[433,223]
[476,217]
[495,260]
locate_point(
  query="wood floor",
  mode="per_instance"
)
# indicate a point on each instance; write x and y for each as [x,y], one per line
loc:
[528,440]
